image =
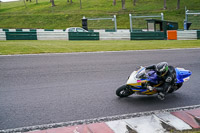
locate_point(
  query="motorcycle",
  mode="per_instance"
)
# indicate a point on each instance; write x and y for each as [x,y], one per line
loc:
[138,81]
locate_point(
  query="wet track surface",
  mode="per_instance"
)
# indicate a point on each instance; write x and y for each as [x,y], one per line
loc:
[43,89]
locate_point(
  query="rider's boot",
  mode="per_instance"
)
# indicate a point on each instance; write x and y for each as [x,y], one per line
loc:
[161,96]
[161,93]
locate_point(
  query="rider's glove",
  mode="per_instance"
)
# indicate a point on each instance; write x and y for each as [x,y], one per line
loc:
[150,88]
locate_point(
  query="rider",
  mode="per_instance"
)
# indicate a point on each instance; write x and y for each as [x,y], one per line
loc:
[167,76]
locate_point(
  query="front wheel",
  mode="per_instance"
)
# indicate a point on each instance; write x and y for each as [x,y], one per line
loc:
[124,91]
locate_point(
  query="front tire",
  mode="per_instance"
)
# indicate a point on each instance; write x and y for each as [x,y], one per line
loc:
[124,91]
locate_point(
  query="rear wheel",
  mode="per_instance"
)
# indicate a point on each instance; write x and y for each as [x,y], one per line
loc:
[124,91]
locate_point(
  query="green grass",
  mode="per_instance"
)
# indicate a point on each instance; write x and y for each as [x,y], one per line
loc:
[63,15]
[35,47]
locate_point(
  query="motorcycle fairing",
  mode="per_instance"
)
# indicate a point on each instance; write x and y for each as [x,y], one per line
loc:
[143,91]
[182,75]
[135,81]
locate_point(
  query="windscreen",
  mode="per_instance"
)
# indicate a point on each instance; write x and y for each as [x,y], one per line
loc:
[141,74]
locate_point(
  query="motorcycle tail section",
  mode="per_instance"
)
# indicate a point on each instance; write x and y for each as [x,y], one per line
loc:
[182,75]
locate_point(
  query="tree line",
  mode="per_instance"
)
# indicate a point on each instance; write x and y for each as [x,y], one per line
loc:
[53,3]
[123,2]
[134,4]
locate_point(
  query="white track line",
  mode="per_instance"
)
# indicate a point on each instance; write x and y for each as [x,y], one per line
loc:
[47,54]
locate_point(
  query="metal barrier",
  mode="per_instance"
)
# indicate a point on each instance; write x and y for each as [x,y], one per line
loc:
[192,19]
[113,19]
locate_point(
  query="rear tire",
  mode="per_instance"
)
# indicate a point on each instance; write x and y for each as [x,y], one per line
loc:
[124,91]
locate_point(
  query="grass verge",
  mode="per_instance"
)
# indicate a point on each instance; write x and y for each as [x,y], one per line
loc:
[66,14]
[35,46]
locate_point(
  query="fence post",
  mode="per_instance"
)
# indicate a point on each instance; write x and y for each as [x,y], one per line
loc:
[84,23]
[162,16]
[186,17]
[131,26]
[115,20]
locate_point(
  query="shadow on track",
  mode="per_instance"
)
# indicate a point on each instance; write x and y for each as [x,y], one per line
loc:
[151,100]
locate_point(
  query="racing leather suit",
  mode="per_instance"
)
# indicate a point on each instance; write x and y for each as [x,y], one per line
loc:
[165,81]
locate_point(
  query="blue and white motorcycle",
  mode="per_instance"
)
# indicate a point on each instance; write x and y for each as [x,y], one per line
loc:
[138,80]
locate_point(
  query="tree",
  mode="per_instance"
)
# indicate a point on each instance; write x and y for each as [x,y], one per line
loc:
[25,3]
[165,4]
[80,5]
[114,2]
[178,4]
[134,2]
[52,2]
[70,1]
[123,4]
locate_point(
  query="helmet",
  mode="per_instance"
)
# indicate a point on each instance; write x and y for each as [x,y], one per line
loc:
[162,69]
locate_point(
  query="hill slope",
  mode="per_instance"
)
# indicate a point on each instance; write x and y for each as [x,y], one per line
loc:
[63,15]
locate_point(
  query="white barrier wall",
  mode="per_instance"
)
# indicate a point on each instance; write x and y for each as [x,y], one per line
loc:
[123,34]
[2,35]
[52,35]
[187,35]
[119,30]
[57,34]
[114,35]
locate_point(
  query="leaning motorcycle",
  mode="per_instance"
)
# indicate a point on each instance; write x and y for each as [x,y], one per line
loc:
[138,81]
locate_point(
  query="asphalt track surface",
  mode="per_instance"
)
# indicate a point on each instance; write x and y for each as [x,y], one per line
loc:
[53,88]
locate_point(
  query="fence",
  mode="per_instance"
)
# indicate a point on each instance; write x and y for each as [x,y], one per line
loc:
[98,22]
[192,17]
[140,20]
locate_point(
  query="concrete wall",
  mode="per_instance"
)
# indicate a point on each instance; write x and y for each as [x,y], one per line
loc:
[123,34]
[114,35]
[187,35]
[52,35]
[2,35]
